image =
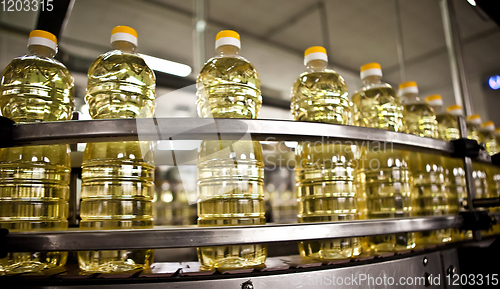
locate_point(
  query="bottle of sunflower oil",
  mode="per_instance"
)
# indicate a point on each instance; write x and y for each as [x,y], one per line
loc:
[324,171]
[494,181]
[478,170]
[34,180]
[487,136]
[419,116]
[230,173]
[429,195]
[448,129]
[497,135]
[383,177]
[117,177]
[448,122]
[473,124]
[435,195]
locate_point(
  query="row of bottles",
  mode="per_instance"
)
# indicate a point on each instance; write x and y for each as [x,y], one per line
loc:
[334,182]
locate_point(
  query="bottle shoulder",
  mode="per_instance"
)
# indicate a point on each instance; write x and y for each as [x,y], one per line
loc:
[327,81]
[30,67]
[381,86]
[119,62]
[229,69]
[422,109]
[323,76]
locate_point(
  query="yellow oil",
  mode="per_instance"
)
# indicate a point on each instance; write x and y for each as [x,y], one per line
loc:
[228,87]
[377,107]
[493,180]
[456,187]
[320,96]
[454,172]
[447,127]
[117,177]
[34,180]
[431,196]
[420,119]
[492,174]
[384,179]
[473,132]
[231,193]
[383,176]
[488,138]
[324,172]
[230,173]
[326,193]
[478,171]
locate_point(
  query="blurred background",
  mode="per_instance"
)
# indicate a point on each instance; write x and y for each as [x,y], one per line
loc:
[405,37]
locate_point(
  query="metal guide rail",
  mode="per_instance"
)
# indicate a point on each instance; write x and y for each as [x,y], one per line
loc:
[201,128]
[417,269]
[168,237]
[206,129]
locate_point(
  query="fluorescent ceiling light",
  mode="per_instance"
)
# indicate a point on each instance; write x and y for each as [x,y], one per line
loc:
[472,2]
[166,66]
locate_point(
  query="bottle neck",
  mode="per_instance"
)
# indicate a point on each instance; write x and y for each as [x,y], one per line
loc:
[227,50]
[372,79]
[410,98]
[439,109]
[40,50]
[316,65]
[124,46]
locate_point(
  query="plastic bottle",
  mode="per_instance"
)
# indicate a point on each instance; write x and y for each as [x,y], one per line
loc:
[34,180]
[473,124]
[487,136]
[230,173]
[419,116]
[117,177]
[448,123]
[442,178]
[478,170]
[383,178]
[324,172]
[497,135]
[430,193]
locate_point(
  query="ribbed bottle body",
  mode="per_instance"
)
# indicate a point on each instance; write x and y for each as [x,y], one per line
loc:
[34,180]
[230,172]
[383,177]
[118,177]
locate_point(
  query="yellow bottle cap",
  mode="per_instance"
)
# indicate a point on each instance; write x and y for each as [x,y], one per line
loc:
[488,126]
[314,53]
[42,37]
[408,87]
[124,33]
[227,37]
[474,119]
[370,69]
[407,84]
[434,100]
[455,110]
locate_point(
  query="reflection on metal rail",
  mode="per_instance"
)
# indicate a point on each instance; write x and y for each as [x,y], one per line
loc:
[164,237]
[199,128]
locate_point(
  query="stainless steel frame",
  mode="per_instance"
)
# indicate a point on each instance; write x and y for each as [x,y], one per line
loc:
[201,128]
[168,237]
[425,270]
